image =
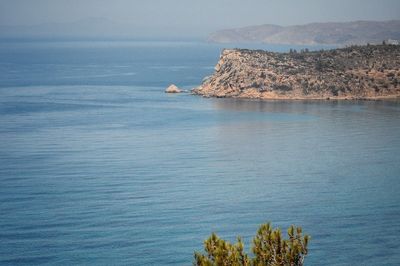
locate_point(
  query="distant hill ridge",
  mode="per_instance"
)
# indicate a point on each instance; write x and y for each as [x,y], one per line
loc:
[330,33]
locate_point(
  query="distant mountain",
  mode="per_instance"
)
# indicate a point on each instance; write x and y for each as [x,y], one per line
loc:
[338,33]
[87,28]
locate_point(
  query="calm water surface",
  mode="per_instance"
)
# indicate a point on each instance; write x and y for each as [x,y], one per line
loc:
[99,166]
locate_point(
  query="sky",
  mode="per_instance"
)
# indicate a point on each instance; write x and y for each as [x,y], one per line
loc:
[194,17]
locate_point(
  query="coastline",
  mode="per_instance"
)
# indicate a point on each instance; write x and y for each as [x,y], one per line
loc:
[370,72]
[280,98]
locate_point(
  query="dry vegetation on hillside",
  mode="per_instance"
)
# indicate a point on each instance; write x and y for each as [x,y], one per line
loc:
[371,71]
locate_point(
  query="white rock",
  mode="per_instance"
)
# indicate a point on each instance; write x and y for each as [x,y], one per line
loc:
[173,89]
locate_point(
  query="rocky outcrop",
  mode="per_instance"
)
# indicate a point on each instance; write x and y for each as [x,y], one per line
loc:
[172,89]
[371,71]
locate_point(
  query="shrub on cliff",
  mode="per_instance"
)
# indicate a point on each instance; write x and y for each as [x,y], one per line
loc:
[269,249]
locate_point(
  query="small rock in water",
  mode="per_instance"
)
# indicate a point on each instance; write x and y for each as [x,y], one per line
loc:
[173,89]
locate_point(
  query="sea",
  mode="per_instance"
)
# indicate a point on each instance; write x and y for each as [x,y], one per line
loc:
[98,166]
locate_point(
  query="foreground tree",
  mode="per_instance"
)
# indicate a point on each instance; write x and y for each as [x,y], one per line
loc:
[269,249]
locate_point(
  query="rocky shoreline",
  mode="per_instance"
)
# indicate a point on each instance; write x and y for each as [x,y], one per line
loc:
[357,72]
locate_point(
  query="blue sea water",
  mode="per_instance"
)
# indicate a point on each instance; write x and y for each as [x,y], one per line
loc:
[98,166]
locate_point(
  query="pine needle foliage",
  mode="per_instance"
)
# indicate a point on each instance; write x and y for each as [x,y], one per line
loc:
[269,249]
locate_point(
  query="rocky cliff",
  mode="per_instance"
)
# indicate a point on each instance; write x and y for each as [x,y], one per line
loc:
[355,72]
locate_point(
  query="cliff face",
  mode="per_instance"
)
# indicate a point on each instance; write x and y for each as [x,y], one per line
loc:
[355,72]
[344,33]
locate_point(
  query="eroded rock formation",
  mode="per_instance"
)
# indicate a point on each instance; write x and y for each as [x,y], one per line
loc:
[367,72]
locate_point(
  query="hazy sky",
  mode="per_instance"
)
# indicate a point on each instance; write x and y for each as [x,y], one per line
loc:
[196,17]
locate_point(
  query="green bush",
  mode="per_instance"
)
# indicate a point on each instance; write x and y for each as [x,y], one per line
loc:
[269,249]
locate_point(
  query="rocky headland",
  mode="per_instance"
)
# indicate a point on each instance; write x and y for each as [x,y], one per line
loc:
[356,72]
